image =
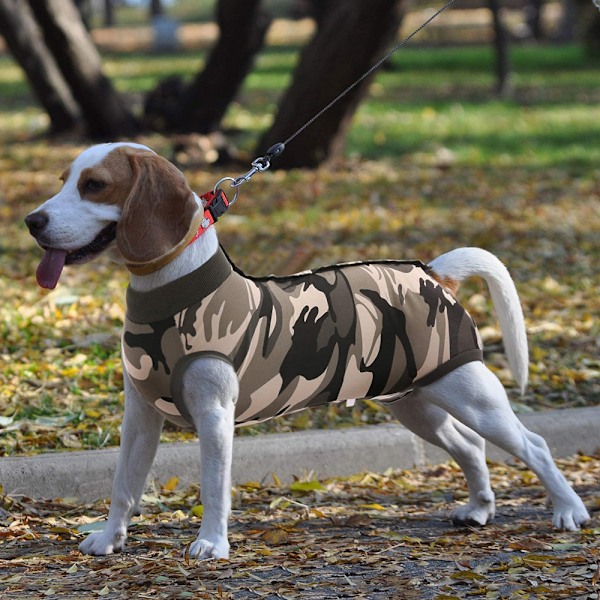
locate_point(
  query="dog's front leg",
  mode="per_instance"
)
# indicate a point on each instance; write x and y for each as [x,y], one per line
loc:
[210,391]
[140,435]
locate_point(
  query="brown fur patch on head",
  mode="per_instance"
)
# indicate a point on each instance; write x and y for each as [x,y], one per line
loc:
[447,283]
[108,182]
[159,209]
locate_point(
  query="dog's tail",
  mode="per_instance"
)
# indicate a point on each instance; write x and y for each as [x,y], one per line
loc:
[461,263]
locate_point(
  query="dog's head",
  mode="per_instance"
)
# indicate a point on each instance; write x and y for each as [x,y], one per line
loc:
[118,197]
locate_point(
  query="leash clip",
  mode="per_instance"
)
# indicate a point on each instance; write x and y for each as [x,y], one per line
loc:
[259,164]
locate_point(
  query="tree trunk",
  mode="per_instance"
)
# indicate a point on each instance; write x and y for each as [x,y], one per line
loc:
[243,27]
[566,28]
[156,9]
[591,30]
[350,38]
[109,13]
[105,113]
[501,45]
[25,42]
[533,18]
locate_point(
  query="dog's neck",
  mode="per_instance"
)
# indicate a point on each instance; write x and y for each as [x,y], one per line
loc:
[195,255]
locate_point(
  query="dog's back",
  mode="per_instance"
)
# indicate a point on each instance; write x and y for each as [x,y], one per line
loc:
[359,330]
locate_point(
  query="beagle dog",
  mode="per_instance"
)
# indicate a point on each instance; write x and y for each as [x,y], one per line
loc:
[208,347]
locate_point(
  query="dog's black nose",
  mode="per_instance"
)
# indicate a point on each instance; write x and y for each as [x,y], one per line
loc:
[36,221]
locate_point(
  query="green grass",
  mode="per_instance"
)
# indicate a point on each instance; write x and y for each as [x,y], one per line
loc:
[434,99]
[426,100]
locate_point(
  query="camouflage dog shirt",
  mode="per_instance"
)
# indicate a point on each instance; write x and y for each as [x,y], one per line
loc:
[358,330]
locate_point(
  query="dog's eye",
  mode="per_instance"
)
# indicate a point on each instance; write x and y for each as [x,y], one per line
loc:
[93,185]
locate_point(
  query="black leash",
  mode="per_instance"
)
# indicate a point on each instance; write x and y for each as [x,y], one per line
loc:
[262,163]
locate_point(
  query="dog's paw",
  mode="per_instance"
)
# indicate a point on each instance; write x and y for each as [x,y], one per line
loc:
[100,543]
[203,549]
[570,517]
[476,513]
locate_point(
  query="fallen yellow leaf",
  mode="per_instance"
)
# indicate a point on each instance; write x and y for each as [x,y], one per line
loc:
[171,484]
[374,506]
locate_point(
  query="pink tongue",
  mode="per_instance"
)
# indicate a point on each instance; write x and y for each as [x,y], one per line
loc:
[50,268]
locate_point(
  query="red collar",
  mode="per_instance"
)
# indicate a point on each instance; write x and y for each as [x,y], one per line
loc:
[215,204]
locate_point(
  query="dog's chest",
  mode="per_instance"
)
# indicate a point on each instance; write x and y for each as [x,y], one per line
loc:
[350,331]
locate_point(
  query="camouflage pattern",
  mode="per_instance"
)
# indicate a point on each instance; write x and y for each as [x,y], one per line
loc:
[360,330]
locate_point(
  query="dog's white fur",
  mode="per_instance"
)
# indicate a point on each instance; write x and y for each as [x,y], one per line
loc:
[456,412]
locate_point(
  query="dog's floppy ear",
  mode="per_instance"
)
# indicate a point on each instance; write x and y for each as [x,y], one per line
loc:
[158,215]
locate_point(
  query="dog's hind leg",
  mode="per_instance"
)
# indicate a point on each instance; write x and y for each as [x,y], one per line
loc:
[210,391]
[473,395]
[466,447]
[140,435]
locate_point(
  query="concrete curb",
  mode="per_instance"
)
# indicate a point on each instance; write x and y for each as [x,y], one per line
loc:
[88,475]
